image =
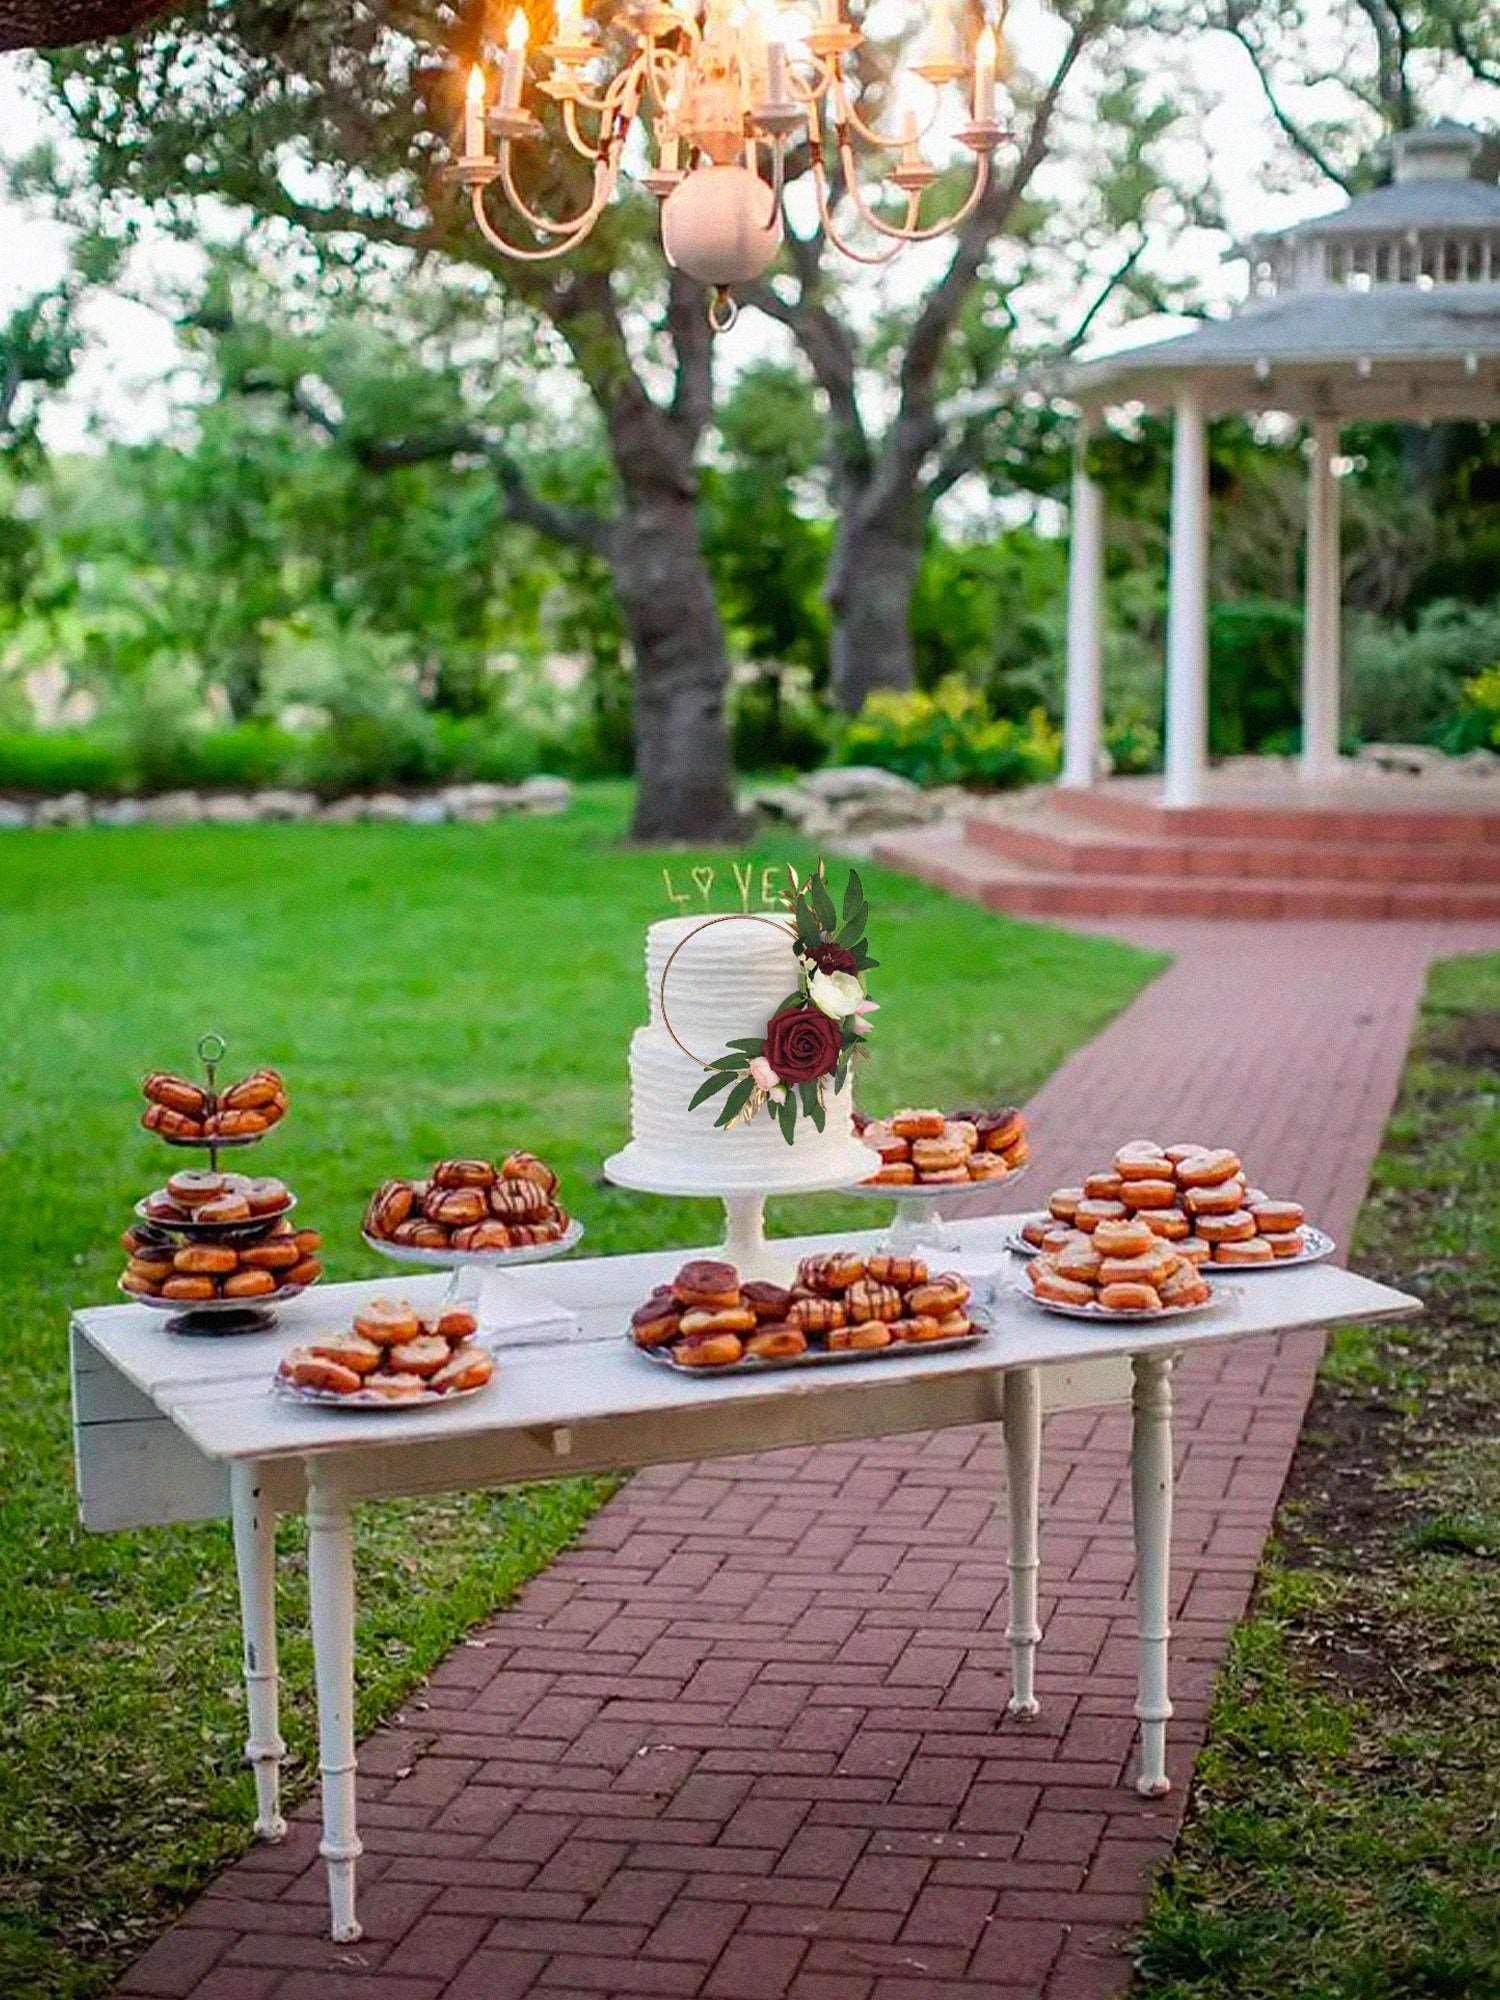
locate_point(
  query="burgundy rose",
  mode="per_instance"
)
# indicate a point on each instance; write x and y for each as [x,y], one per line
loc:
[833,957]
[803,1043]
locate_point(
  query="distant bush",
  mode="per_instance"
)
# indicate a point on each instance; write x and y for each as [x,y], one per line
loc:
[1477,724]
[63,760]
[776,725]
[1133,743]
[949,737]
[1406,686]
[1255,673]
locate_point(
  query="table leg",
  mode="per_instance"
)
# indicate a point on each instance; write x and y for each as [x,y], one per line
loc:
[254,1521]
[1151,1505]
[1023,1454]
[330,1582]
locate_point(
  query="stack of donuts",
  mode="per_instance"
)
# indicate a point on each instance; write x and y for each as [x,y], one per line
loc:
[391,1354]
[188,1113]
[841,1300]
[471,1205]
[1193,1197]
[1120,1266]
[207,1236]
[934,1149]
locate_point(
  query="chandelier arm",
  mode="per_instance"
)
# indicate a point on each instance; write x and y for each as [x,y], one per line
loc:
[496,241]
[830,227]
[847,114]
[574,131]
[606,178]
[907,232]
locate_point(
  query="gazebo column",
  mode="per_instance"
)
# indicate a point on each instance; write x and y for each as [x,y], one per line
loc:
[1082,697]
[1187,608]
[1322,612]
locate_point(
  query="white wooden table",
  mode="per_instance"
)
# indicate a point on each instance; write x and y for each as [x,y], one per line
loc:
[173,1428]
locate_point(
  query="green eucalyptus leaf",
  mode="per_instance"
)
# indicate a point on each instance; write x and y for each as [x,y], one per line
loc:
[736,1101]
[786,1111]
[720,1080]
[854,894]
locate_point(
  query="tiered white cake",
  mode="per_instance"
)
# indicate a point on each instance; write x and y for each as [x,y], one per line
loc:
[724,984]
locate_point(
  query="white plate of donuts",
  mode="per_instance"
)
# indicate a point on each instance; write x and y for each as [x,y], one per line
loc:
[1084,1306]
[391,1358]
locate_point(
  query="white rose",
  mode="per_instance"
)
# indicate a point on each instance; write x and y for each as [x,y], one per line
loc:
[836,993]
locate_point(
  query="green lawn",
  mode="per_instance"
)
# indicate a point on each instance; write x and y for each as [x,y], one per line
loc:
[1344,1838]
[427,991]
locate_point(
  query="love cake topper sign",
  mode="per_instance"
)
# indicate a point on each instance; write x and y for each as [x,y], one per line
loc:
[752,881]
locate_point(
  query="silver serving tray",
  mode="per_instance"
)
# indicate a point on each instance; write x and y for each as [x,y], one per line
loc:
[362,1399]
[1221,1293]
[816,1357]
[191,1308]
[191,1226]
[490,1260]
[1319,1245]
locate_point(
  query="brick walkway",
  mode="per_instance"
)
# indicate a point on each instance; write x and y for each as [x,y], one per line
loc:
[747,1740]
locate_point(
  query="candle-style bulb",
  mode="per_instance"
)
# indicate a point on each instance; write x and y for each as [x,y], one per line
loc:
[519,31]
[474,114]
[986,51]
[475,88]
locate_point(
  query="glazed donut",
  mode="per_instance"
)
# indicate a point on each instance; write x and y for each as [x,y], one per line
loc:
[1149,1194]
[457,1323]
[1147,1270]
[768,1302]
[194,1186]
[896,1173]
[833,1271]
[482,1236]
[1130,1298]
[1052,1285]
[1276,1218]
[917,1124]
[944,1293]
[1286,1243]
[1254,1198]
[348,1350]
[519,1201]
[265,1194]
[236,1124]
[1102,1187]
[463,1174]
[387,1322]
[455,1207]
[777,1342]
[939,1155]
[175,1093]
[1090,1214]
[902,1272]
[1169,1223]
[1245,1250]
[707,1282]
[945,1176]
[703,1322]
[187,1289]
[964,1130]
[1207,1169]
[170,1124]
[252,1284]
[718,1351]
[1079,1261]
[1223,1198]
[987,1167]
[205,1260]
[1183,1150]
[223,1208]
[870,1333]
[1016,1155]
[253,1093]
[420,1234]
[1140,1160]
[890,1145]
[1185,1288]
[915,1329]
[143,1277]
[1130,1237]
[313,1370]
[423,1356]
[1235,1228]
[140,1239]
[1060,1235]
[866,1300]
[1035,1232]
[952,1325]
[397,1388]
[1194,1250]
[1003,1129]
[160,1207]
[1063,1202]
[524,1166]
[468,1367]
[656,1321]
[815,1315]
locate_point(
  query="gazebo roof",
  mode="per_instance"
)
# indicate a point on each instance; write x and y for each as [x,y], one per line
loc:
[1389,307]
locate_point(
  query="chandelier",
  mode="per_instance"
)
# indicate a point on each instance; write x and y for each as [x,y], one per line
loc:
[722,91]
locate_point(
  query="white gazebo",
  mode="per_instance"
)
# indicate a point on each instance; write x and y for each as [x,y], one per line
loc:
[1389,308]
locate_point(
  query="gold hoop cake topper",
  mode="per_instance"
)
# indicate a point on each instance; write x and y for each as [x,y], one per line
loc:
[819,1028]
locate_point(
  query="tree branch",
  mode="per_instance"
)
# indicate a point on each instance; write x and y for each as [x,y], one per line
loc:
[830,355]
[1304,143]
[693,341]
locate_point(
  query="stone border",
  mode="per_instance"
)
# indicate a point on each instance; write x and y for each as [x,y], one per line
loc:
[472,803]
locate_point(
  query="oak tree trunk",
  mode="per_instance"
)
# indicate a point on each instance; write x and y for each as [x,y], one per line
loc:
[870,591]
[685,788]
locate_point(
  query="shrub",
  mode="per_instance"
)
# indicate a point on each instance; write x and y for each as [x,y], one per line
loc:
[1477,724]
[776,726]
[63,760]
[1406,686]
[1133,743]
[949,737]
[1255,673]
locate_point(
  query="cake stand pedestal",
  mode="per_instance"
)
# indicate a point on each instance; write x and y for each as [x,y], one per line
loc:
[745,1243]
[918,1221]
[479,1280]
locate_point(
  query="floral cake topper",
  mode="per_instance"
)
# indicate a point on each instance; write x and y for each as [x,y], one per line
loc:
[818,1030]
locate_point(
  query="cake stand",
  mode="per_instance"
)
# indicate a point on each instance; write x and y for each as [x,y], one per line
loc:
[918,1219]
[477,1280]
[745,1246]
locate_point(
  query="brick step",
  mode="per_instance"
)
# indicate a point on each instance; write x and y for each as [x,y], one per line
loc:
[941,855]
[1057,842]
[1143,814]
